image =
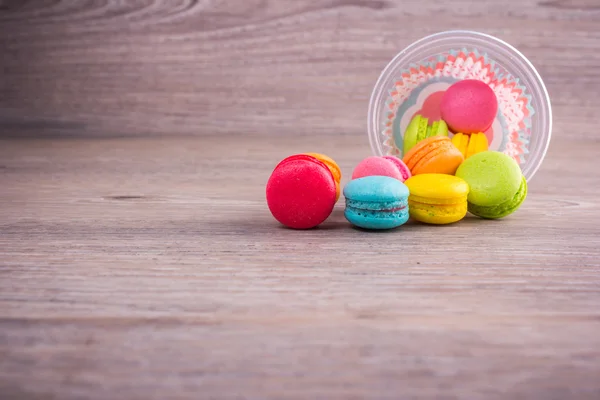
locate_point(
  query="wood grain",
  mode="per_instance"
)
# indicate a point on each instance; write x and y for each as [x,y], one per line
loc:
[150,268]
[138,259]
[292,67]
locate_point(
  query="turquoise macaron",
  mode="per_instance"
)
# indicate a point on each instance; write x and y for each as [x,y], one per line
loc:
[376,202]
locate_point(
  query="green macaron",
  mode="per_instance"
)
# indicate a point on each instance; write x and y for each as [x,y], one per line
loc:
[497,186]
[418,130]
[415,132]
[503,209]
[437,128]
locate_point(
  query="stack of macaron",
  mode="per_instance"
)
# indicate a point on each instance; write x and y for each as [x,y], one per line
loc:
[376,197]
[440,178]
[468,109]
[303,190]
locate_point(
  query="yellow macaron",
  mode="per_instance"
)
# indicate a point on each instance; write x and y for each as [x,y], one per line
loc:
[470,144]
[437,198]
[333,167]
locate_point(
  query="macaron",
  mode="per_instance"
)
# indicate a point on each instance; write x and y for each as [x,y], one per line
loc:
[418,129]
[434,155]
[382,166]
[469,106]
[333,167]
[503,209]
[403,168]
[470,144]
[437,198]
[376,202]
[497,186]
[301,192]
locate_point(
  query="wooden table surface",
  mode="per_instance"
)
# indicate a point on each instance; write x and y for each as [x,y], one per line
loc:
[138,259]
[151,268]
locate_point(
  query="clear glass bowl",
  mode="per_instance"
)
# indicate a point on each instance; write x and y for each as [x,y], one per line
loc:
[414,80]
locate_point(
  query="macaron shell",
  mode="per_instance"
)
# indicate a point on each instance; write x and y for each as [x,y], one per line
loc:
[461,141]
[423,125]
[376,189]
[444,160]
[439,128]
[471,147]
[493,177]
[377,166]
[504,209]
[423,129]
[471,144]
[469,106]
[402,168]
[301,192]
[477,143]
[333,167]
[331,164]
[371,219]
[416,153]
[482,143]
[443,188]
[437,214]
[434,155]
[416,128]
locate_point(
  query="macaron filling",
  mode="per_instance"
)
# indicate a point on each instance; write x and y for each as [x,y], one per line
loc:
[441,201]
[377,209]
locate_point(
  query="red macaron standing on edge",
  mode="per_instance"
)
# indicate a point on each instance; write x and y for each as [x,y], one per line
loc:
[469,106]
[301,192]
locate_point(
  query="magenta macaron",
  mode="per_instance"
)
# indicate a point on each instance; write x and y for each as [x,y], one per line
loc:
[382,166]
[469,106]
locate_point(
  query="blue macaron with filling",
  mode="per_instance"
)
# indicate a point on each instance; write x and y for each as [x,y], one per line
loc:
[376,202]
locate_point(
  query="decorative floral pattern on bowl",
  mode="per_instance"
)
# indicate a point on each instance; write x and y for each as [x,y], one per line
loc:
[419,90]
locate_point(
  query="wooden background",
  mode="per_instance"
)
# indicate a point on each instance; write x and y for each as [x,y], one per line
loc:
[138,259]
[285,67]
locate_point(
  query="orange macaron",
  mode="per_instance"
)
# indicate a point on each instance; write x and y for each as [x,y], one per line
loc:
[333,167]
[434,155]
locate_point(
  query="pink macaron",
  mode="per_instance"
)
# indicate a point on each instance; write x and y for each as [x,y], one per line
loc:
[469,106]
[382,166]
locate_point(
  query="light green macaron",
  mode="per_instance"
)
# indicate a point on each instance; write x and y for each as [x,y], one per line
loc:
[503,209]
[438,128]
[497,186]
[418,130]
